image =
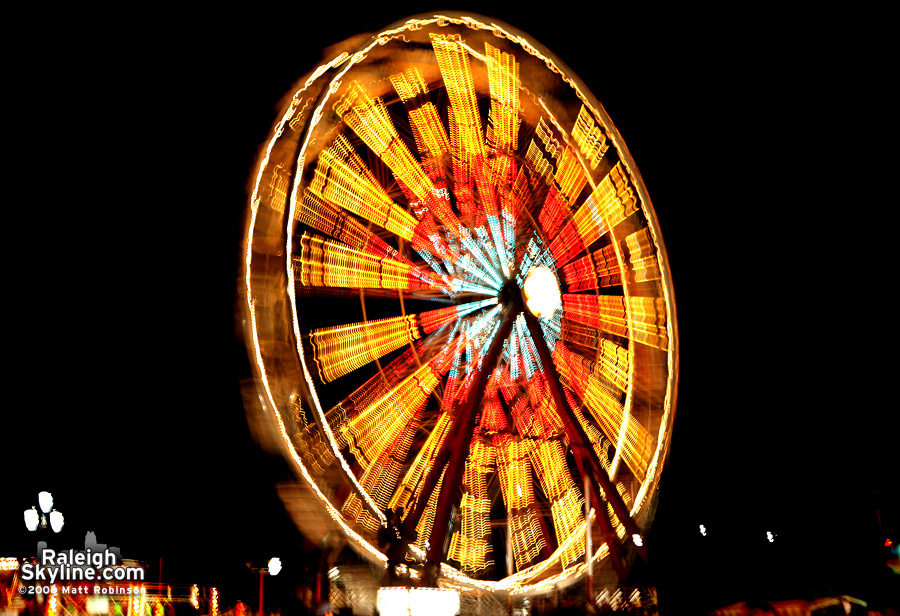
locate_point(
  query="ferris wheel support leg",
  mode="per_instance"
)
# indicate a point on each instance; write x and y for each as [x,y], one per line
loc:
[459,449]
[581,444]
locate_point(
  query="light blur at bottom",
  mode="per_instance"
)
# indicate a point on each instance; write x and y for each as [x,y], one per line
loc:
[399,601]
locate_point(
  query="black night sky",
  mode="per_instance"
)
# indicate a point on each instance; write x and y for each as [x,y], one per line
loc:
[761,139]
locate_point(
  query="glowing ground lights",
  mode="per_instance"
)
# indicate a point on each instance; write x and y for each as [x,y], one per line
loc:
[413,187]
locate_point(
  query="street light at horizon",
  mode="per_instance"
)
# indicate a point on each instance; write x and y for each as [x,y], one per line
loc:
[273,568]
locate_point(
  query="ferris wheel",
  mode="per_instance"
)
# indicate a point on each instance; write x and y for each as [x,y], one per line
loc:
[459,309]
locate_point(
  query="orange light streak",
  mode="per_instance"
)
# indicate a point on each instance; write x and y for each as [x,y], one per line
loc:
[608,313]
[596,270]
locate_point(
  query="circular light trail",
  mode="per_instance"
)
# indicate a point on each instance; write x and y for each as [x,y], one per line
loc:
[414,186]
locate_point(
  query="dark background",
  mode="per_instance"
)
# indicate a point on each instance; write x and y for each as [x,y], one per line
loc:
[765,142]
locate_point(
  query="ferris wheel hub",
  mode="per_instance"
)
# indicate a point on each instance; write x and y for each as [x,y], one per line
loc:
[542,292]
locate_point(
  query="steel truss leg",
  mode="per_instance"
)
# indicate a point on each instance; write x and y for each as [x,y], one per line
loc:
[586,458]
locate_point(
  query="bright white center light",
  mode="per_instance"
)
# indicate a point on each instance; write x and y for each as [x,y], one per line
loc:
[542,292]
[637,540]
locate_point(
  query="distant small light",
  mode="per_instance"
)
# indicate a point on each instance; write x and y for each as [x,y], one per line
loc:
[770,537]
[702,530]
[274,565]
[637,540]
[56,520]
[888,543]
[45,500]
[32,519]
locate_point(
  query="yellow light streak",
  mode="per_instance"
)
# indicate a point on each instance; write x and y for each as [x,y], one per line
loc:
[411,484]
[567,504]
[503,80]
[538,162]
[366,430]
[326,263]
[570,176]
[53,601]
[343,348]
[545,134]
[409,84]
[514,469]
[372,390]
[590,138]
[136,605]
[642,256]
[380,437]
[648,321]
[370,120]
[610,203]
[342,179]
[600,388]
[471,543]
[453,60]
[428,131]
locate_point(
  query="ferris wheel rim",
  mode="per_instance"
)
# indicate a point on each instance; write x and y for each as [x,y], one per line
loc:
[346,64]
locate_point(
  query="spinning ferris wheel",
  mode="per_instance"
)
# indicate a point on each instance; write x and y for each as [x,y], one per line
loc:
[460,310]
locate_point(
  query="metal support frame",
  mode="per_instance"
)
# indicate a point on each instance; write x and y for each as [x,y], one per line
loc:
[585,454]
[453,453]
[451,457]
